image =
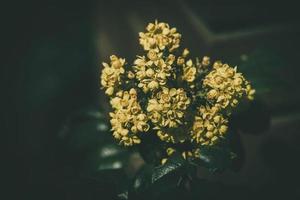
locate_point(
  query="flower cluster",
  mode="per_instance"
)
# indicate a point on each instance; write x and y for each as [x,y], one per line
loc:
[110,76]
[166,110]
[179,99]
[208,126]
[160,36]
[128,118]
[225,86]
[152,71]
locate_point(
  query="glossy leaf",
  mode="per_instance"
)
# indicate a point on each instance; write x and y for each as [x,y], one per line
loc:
[215,158]
[151,182]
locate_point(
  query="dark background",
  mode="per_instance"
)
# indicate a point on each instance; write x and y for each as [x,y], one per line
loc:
[52,61]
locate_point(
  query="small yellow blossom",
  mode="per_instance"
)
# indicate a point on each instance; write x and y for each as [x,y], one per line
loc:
[130,75]
[189,71]
[152,55]
[189,74]
[170,151]
[163,161]
[180,61]
[250,91]
[185,52]
[205,61]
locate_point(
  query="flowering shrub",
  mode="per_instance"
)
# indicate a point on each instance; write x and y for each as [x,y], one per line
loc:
[166,93]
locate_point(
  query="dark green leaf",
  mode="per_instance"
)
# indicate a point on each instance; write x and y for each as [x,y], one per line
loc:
[215,158]
[151,182]
[174,163]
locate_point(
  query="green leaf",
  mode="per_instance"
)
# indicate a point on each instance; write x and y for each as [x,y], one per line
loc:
[215,158]
[151,182]
[174,163]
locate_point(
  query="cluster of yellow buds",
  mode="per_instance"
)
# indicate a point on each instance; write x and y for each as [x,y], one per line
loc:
[166,111]
[110,76]
[160,36]
[128,119]
[208,126]
[153,71]
[225,86]
[179,99]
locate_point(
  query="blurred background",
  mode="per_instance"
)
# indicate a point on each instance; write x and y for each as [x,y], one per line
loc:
[55,114]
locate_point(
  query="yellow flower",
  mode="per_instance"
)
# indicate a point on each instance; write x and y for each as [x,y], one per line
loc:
[225,86]
[170,151]
[205,61]
[180,61]
[110,76]
[127,119]
[250,92]
[130,75]
[185,52]
[212,94]
[159,36]
[209,125]
[152,55]
[189,71]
